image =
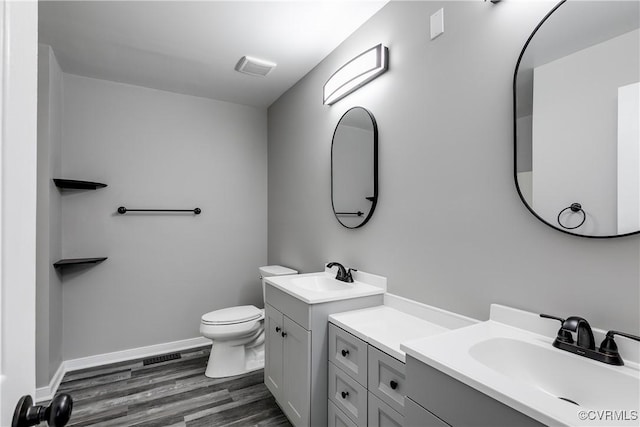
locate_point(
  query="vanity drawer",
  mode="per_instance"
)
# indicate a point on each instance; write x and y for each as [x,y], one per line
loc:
[382,415]
[416,415]
[348,395]
[337,418]
[456,403]
[387,379]
[348,353]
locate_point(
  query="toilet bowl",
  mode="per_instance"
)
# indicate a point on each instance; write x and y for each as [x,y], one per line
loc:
[237,334]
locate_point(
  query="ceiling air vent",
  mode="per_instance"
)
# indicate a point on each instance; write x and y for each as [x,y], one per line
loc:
[254,66]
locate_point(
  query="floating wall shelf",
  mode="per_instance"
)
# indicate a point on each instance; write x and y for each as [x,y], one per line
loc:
[77,261]
[78,185]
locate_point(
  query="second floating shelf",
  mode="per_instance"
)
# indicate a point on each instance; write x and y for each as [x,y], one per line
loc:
[77,185]
[77,261]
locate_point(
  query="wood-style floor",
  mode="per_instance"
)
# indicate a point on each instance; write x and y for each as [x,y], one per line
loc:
[172,393]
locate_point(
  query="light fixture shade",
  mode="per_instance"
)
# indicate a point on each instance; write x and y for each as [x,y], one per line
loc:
[356,73]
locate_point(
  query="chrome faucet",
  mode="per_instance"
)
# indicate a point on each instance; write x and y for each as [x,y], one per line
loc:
[585,344]
[343,275]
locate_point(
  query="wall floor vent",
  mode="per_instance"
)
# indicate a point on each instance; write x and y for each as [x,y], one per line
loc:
[160,359]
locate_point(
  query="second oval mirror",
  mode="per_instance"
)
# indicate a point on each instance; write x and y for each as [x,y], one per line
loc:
[577,104]
[354,168]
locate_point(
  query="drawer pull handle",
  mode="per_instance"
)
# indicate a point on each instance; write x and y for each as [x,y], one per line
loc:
[345,394]
[393,384]
[345,353]
[278,328]
[284,334]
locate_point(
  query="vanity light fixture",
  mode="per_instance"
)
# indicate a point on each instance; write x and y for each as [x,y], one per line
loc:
[356,73]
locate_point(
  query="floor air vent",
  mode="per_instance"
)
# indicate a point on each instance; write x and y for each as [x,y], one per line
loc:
[160,359]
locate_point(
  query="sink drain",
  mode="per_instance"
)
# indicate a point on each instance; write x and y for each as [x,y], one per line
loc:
[568,400]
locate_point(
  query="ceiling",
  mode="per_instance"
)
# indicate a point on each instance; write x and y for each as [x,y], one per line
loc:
[192,47]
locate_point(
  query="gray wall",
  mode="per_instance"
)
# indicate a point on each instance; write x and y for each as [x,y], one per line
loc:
[48,237]
[449,229]
[158,149]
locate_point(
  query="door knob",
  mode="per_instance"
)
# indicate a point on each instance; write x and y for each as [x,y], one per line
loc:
[278,328]
[345,394]
[345,353]
[393,384]
[57,414]
[284,334]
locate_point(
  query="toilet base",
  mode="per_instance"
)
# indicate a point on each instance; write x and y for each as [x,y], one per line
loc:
[228,361]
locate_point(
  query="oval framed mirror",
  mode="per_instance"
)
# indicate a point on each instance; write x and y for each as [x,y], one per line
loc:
[576,95]
[354,168]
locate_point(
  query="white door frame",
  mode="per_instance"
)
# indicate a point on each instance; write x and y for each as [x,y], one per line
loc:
[18,161]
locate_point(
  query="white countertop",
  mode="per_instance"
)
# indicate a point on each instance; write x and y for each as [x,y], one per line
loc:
[364,285]
[386,327]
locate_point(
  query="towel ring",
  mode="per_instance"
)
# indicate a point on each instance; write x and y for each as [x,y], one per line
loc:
[575,207]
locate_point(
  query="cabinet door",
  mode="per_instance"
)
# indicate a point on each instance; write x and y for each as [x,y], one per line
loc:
[297,372]
[273,351]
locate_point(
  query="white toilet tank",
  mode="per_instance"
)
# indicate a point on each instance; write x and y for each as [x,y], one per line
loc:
[273,270]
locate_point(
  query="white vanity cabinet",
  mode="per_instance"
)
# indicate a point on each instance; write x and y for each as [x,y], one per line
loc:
[288,373]
[366,385]
[296,351]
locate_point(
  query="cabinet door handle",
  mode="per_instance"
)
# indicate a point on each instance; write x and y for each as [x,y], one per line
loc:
[345,353]
[284,334]
[345,394]
[393,384]
[278,328]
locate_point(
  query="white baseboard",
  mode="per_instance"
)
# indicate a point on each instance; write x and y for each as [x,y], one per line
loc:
[47,393]
[133,353]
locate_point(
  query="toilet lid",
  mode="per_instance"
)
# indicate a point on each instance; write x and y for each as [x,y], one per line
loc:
[227,316]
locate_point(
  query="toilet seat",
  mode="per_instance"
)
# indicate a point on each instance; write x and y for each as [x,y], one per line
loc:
[232,315]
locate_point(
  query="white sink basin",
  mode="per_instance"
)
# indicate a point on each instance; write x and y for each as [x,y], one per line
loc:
[315,288]
[559,374]
[319,283]
[523,370]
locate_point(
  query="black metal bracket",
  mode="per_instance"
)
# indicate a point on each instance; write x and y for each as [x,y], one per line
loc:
[122,210]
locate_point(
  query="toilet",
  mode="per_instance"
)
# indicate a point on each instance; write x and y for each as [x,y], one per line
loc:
[238,334]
